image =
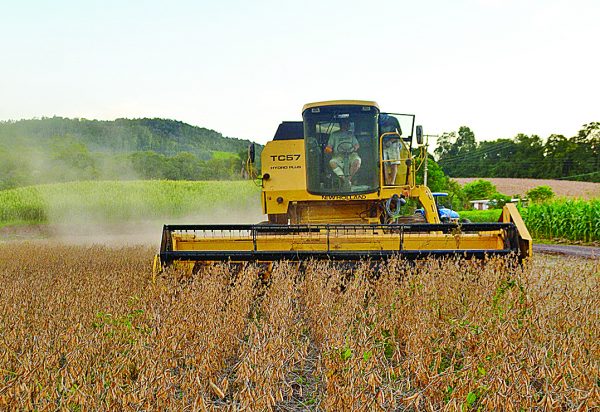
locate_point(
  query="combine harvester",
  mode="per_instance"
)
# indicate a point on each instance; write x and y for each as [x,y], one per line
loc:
[335,186]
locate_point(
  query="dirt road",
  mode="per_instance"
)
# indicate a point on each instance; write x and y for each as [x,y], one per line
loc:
[569,250]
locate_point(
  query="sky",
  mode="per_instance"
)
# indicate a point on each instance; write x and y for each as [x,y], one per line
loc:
[501,67]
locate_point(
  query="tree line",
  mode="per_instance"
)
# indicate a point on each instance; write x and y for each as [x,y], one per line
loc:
[524,156]
[67,161]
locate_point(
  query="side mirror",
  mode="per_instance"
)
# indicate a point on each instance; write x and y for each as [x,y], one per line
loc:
[251,152]
[419,132]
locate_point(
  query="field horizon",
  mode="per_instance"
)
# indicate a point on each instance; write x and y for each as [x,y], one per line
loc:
[517,186]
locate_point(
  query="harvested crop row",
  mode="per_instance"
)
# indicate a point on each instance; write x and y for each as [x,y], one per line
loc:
[84,327]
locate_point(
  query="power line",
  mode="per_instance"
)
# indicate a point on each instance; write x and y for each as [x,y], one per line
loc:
[476,152]
[500,146]
[583,174]
[522,161]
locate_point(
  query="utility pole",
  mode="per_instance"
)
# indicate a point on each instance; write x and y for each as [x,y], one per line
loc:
[427,136]
[426,160]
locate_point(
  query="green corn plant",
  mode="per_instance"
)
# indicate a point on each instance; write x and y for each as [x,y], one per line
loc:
[576,220]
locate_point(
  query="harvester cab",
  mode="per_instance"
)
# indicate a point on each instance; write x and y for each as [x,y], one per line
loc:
[335,186]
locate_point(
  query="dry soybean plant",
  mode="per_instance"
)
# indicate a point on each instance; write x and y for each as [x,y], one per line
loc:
[85,328]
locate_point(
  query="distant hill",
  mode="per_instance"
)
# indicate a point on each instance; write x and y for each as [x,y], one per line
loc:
[164,136]
[57,149]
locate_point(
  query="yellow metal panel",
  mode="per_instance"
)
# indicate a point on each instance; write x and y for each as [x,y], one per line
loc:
[510,213]
[340,103]
[333,212]
[284,161]
[492,240]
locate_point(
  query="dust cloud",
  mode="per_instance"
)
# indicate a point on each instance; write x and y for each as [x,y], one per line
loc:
[108,203]
[61,160]
[91,231]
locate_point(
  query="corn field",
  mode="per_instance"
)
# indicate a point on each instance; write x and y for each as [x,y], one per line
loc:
[85,328]
[575,220]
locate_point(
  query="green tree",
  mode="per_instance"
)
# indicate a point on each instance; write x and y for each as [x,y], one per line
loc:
[149,165]
[479,189]
[12,171]
[467,159]
[586,152]
[498,200]
[456,152]
[559,156]
[71,160]
[445,145]
[185,166]
[528,158]
[540,194]
[465,140]
[495,158]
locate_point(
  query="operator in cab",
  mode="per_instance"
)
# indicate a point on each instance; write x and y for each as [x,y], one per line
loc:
[344,146]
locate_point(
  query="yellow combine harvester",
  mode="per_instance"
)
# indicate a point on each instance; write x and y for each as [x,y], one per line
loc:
[335,186]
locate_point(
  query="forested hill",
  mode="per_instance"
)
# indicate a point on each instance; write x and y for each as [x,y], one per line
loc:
[56,149]
[163,136]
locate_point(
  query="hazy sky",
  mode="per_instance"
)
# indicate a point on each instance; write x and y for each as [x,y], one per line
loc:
[500,67]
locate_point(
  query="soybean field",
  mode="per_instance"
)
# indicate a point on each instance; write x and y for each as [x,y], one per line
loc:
[87,328]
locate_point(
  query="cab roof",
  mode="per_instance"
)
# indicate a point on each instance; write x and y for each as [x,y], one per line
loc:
[340,103]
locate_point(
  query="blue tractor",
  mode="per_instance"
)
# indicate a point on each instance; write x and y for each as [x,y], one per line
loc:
[446,214]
